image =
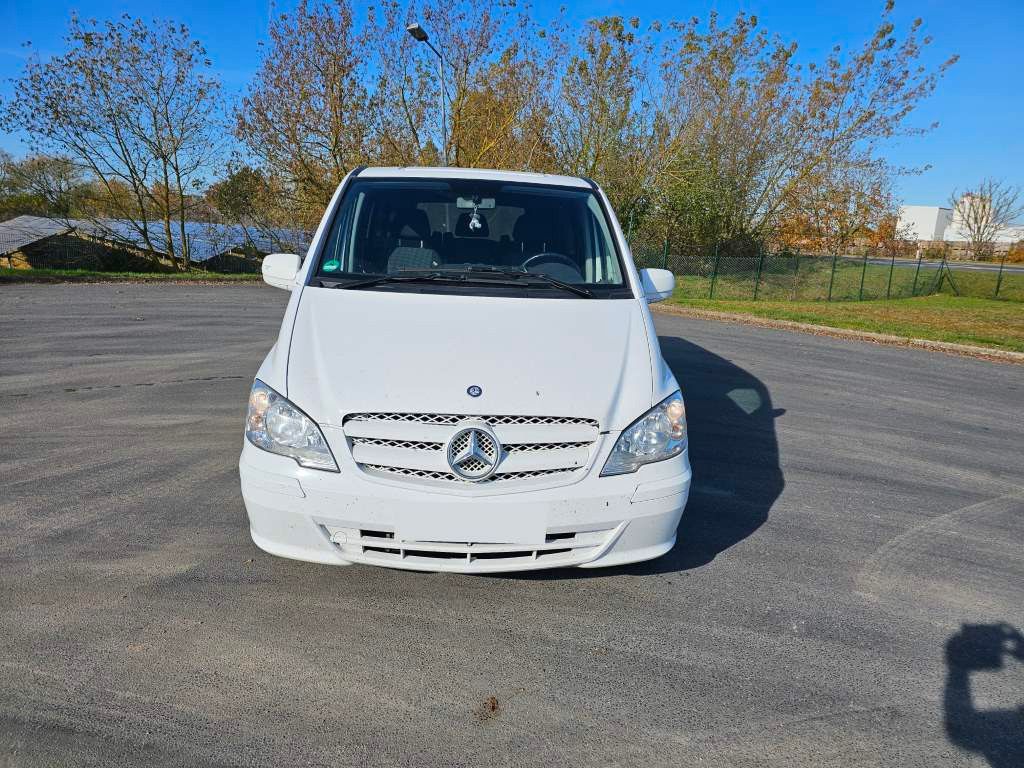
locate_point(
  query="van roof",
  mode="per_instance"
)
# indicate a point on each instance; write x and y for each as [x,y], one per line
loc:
[414,172]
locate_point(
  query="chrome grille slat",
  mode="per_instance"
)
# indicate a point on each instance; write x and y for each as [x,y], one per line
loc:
[421,445]
[529,447]
[413,445]
[451,419]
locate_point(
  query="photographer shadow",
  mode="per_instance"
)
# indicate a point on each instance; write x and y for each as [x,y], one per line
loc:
[734,453]
[996,734]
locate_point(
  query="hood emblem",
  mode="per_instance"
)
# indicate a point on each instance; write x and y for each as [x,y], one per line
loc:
[474,391]
[473,452]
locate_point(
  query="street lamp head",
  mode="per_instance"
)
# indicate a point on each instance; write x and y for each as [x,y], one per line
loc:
[418,33]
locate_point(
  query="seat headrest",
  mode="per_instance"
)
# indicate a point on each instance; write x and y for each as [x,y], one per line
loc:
[532,227]
[411,224]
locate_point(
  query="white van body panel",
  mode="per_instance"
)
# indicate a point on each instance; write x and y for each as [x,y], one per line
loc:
[529,356]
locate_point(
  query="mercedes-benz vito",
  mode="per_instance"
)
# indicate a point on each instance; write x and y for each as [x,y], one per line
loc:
[467,378]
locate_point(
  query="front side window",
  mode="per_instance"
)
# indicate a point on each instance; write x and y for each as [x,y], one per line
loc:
[480,237]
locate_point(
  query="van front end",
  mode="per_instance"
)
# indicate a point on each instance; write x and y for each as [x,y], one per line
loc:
[467,378]
[403,507]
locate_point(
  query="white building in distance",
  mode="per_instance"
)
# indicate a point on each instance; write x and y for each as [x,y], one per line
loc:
[933,223]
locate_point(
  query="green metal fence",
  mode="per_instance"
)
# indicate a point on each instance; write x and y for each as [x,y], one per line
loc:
[793,276]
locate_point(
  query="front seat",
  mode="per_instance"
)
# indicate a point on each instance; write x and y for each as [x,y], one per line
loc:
[412,235]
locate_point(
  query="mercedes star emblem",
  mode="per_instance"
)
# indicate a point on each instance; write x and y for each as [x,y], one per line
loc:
[473,451]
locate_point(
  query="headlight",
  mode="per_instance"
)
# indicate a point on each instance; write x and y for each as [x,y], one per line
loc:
[657,435]
[275,425]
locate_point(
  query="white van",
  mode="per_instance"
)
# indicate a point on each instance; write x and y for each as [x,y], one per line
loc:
[467,379]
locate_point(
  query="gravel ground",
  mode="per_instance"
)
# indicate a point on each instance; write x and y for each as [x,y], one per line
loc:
[846,589]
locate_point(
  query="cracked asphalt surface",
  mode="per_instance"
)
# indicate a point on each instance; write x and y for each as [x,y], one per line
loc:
[847,589]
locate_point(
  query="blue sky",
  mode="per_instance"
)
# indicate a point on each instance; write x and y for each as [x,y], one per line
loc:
[979,105]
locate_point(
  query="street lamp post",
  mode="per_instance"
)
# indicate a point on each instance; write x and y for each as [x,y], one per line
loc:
[419,34]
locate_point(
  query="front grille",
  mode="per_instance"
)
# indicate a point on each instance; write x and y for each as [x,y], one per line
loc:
[412,447]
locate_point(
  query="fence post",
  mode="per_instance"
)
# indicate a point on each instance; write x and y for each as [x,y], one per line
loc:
[832,277]
[714,273]
[892,265]
[760,266]
[913,291]
[952,282]
[796,271]
[664,256]
[863,272]
[942,274]
[999,280]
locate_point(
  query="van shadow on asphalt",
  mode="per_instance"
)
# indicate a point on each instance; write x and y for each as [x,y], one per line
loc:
[996,734]
[735,457]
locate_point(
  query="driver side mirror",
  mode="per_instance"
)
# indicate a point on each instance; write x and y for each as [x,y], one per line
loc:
[280,269]
[658,284]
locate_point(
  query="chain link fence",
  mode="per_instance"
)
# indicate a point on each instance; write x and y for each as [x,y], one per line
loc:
[794,276]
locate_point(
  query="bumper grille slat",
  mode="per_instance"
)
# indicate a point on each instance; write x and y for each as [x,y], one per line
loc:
[427,474]
[384,548]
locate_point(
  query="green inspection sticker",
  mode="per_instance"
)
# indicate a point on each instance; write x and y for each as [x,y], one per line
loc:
[331,266]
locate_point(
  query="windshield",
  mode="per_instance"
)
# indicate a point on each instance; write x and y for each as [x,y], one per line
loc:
[462,234]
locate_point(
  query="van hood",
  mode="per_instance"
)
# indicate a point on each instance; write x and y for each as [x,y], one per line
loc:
[381,351]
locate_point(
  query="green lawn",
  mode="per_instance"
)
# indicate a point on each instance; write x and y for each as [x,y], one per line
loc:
[812,279]
[85,275]
[983,322]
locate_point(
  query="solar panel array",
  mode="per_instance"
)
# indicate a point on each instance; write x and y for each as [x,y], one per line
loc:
[206,239]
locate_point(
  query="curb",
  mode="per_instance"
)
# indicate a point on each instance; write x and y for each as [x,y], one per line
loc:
[949,348]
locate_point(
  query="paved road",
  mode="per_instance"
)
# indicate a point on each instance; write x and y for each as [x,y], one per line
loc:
[956,266]
[845,592]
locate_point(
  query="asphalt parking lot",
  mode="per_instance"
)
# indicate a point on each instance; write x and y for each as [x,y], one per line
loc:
[845,591]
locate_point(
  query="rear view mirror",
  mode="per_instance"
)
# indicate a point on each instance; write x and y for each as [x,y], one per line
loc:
[657,284]
[280,269]
[483,203]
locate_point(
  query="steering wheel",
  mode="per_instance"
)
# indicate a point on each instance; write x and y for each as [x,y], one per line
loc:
[552,256]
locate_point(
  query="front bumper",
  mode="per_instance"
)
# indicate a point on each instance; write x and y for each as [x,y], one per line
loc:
[348,517]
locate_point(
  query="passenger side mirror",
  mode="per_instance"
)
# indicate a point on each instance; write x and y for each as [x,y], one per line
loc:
[280,269]
[658,284]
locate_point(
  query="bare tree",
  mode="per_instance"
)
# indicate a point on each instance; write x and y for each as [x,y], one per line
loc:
[501,77]
[306,117]
[600,128]
[334,91]
[135,107]
[985,211]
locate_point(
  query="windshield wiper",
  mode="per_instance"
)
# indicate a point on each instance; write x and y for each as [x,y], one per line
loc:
[450,276]
[518,274]
[379,279]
